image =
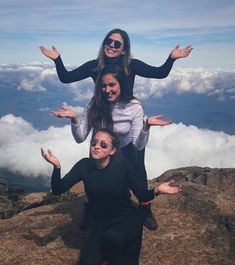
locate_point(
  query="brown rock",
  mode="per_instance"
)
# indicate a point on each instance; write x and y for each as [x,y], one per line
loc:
[196,226]
[222,179]
[32,200]
[45,235]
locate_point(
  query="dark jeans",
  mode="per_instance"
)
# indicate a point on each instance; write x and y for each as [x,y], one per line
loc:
[136,159]
[118,241]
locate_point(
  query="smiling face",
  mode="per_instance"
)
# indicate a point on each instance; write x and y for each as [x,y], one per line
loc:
[111,46]
[111,88]
[101,148]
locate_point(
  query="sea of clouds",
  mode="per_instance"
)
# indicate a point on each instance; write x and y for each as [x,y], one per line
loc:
[169,147]
[38,77]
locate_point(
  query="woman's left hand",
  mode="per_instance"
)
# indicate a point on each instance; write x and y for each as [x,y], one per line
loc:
[156,120]
[167,188]
[178,52]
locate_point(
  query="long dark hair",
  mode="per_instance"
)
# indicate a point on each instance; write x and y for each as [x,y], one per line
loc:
[99,115]
[126,57]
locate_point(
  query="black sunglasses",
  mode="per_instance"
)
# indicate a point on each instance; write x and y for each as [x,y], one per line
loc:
[116,43]
[103,144]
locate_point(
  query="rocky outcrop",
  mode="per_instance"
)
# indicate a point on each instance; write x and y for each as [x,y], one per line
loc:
[9,199]
[196,226]
[221,179]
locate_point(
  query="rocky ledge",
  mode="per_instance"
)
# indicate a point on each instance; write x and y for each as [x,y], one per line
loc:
[196,226]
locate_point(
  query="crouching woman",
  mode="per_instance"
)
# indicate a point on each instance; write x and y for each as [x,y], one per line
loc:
[117,231]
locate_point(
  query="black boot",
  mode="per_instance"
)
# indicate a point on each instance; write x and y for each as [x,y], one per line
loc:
[149,219]
[87,217]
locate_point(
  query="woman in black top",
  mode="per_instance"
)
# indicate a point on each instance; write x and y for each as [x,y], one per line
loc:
[116,234]
[115,49]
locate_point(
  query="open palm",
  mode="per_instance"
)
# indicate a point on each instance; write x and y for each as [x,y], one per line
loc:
[178,52]
[50,157]
[157,121]
[52,54]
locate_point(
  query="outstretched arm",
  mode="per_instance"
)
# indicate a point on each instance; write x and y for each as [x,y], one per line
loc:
[80,129]
[178,52]
[145,70]
[65,76]
[60,185]
[144,194]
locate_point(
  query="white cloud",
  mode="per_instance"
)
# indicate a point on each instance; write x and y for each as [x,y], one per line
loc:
[32,77]
[20,147]
[83,91]
[218,82]
[178,145]
[44,109]
[169,147]
[31,85]
[211,81]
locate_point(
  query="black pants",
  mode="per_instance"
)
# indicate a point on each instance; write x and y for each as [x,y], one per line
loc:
[136,159]
[118,241]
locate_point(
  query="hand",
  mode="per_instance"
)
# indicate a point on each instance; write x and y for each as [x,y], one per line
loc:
[66,112]
[156,120]
[167,188]
[52,54]
[180,53]
[50,157]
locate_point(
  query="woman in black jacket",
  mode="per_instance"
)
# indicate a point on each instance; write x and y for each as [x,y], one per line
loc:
[116,234]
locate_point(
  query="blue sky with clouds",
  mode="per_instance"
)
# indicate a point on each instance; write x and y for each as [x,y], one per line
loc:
[155,26]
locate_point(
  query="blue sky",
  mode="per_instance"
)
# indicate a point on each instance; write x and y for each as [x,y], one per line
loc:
[77,28]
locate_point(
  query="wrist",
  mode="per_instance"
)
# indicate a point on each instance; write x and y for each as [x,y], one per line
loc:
[74,120]
[57,166]
[156,192]
[172,57]
[146,125]
[56,59]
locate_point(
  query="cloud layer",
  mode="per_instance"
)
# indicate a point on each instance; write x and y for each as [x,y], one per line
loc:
[42,77]
[169,147]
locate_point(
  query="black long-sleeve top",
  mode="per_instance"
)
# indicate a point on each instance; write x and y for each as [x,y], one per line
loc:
[107,189]
[136,67]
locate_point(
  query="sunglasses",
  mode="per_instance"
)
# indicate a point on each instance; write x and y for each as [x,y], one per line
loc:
[116,43]
[102,143]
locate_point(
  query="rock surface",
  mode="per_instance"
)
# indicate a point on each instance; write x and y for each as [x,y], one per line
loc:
[196,226]
[9,199]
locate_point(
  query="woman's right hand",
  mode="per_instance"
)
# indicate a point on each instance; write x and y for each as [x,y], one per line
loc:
[50,157]
[66,112]
[52,54]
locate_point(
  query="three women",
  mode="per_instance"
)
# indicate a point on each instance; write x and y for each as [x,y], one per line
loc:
[115,50]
